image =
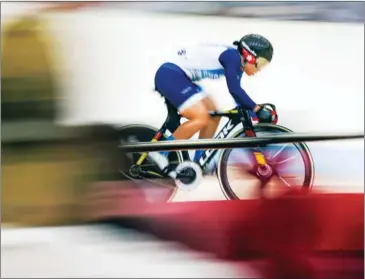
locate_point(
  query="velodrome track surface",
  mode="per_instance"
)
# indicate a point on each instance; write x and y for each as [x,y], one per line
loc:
[98,251]
[91,252]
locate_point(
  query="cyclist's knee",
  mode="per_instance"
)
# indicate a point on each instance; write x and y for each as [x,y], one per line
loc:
[200,120]
[203,119]
[198,115]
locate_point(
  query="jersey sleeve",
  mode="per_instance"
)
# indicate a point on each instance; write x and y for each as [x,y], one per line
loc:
[231,62]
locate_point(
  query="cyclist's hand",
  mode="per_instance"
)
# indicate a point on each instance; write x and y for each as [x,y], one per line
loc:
[264,115]
[256,109]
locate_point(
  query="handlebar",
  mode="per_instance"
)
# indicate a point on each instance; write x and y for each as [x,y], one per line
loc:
[272,106]
[247,117]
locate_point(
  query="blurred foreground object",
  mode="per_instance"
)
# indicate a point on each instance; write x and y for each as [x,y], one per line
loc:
[45,181]
[289,236]
[32,170]
[44,165]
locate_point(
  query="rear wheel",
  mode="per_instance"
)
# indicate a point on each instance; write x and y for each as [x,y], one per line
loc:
[155,188]
[292,161]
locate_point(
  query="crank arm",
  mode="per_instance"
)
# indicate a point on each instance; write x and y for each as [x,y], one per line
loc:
[156,174]
[137,171]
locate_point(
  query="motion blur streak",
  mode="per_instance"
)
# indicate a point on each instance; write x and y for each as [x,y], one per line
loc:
[72,72]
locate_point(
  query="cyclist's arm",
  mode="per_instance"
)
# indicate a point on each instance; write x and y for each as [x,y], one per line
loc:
[231,62]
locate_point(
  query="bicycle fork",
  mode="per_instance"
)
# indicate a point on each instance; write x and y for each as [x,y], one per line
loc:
[264,171]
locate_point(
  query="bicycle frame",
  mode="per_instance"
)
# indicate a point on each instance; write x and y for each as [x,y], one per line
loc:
[235,117]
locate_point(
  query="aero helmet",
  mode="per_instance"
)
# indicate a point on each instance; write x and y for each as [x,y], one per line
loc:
[253,46]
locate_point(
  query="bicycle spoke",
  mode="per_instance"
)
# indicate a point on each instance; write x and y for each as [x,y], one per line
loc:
[281,149]
[282,179]
[286,160]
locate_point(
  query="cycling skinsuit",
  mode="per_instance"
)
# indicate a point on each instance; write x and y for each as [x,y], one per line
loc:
[175,79]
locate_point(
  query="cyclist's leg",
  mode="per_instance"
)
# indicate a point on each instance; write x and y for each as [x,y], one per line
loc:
[198,118]
[181,92]
[209,130]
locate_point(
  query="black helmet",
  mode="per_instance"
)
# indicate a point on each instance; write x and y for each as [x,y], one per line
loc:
[256,45]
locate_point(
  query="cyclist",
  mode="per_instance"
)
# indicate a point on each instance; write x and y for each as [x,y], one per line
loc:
[175,80]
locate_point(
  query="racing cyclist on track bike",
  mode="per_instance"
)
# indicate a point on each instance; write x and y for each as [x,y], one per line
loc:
[175,81]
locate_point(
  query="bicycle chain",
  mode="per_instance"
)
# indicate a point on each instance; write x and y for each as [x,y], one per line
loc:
[149,180]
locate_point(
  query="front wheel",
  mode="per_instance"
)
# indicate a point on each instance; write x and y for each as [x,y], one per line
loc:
[292,161]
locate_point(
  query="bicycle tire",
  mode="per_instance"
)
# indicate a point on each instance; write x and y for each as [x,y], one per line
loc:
[270,128]
[145,133]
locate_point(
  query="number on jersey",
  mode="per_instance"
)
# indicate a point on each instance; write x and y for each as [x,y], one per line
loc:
[181,52]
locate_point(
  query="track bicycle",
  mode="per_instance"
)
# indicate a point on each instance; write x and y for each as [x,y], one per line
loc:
[263,162]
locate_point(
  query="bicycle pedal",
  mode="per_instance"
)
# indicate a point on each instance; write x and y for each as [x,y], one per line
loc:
[170,171]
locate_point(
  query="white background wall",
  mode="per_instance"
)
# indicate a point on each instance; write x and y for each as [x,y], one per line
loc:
[316,76]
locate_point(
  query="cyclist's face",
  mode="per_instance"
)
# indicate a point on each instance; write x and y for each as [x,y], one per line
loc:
[252,69]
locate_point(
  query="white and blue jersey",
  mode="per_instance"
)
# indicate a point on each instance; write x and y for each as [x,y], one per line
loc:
[175,78]
[200,62]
